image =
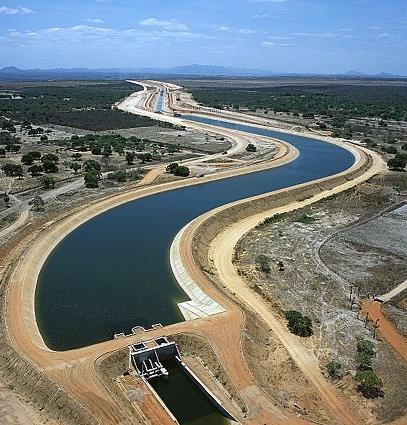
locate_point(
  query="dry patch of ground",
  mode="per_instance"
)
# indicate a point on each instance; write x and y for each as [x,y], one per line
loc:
[298,280]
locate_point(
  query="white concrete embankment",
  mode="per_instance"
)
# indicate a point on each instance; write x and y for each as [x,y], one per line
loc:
[200,304]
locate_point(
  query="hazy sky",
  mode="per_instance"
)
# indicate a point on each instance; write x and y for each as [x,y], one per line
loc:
[276,35]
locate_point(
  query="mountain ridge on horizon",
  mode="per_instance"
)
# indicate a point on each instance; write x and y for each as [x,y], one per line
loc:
[188,70]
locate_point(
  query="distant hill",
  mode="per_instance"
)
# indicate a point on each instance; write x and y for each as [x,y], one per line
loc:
[215,70]
[12,73]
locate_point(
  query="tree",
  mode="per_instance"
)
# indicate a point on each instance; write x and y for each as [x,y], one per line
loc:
[119,176]
[12,170]
[251,148]
[91,179]
[2,152]
[298,324]
[50,167]
[47,182]
[35,170]
[145,157]
[130,157]
[76,156]
[35,154]
[96,150]
[404,147]
[398,163]
[75,167]
[27,159]
[92,166]
[43,138]
[334,369]
[369,384]
[171,168]
[13,147]
[38,203]
[107,151]
[50,157]
[263,262]
[182,171]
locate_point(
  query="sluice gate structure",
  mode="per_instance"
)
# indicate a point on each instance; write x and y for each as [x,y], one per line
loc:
[149,359]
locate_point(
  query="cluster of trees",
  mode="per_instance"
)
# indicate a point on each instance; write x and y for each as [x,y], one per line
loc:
[368,383]
[398,163]
[337,101]
[92,173]
[178,170]
[10,142]
[298,323]
[80,106]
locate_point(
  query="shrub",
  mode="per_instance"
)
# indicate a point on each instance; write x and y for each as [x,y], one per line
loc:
[263,263]
[251,148]
[369,384]
[365,346]
[119,176]
[38,203]
[299,324]
[305,219]
[363,361]
[334,369]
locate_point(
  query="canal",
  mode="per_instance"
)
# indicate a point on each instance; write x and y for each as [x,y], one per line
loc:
[113,272]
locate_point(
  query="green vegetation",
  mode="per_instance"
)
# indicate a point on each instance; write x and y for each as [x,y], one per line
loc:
[305,219]
[334,369]
[37,203]
[298,323]
[13,170]
[273,219]
[369,384]
[178,170]
[398,163]
[251,148]
[78,105]
[92,179]
[47,182]
[263,263]
[365,346]
[119,175]
[337,101]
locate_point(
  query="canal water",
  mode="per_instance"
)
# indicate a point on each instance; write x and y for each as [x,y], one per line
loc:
[185,400]
[113,272]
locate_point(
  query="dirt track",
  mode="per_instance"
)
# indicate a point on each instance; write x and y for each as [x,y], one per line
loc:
[386,329]
[74,370]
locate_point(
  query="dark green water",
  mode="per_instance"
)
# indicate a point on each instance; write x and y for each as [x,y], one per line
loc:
[113,272]
[185,400]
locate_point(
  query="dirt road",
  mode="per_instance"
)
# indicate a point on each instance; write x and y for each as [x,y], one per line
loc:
[386,329]
[73,371]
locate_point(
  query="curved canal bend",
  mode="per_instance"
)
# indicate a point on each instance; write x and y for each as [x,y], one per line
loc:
[113,272]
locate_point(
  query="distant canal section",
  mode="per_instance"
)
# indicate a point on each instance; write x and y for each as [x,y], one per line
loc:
[113,272]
